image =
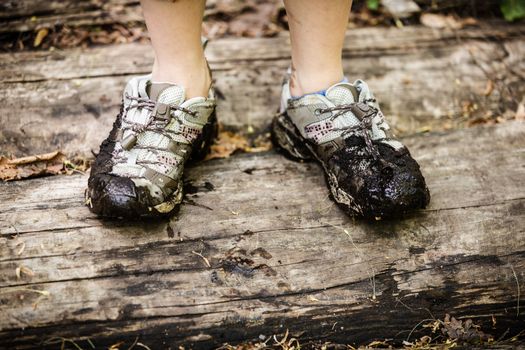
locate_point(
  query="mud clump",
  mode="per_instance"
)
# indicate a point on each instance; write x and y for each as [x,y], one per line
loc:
[374,181]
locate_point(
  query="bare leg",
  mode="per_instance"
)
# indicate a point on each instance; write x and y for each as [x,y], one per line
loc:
[317,29]
[175,30]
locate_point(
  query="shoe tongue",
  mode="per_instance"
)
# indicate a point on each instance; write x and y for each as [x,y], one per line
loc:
[167,93]
[342,93]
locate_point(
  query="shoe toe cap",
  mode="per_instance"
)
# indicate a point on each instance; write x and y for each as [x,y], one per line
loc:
[114,196]
[402,190]
[406,190]
[387,187]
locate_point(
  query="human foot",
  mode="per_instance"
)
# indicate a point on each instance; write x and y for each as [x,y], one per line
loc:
[138,171]
[368,171]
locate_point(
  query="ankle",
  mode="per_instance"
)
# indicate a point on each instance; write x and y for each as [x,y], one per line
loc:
[194,76]
[302,83]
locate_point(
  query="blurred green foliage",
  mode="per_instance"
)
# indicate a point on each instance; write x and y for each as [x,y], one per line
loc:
[513,9]
[372,4]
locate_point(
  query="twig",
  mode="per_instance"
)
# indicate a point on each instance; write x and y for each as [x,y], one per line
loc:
[398,300]
[22,247]
[63,341]
[417,325]
[134,343]
[371,277]
[16,230]
[519,291]
[42,292]
[203,258]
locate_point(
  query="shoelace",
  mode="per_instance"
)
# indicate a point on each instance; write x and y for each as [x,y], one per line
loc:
[152,124]
[148,105]
[365,124]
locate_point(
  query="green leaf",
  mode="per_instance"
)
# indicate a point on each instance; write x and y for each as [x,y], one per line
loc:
[372,4]
[513,9]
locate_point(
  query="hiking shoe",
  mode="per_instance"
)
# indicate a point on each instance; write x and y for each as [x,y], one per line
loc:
[138,171]
[368,171]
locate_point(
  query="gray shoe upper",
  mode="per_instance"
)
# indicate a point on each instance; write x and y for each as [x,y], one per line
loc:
[161,148]
[324,118]
[155,134]
[369,172]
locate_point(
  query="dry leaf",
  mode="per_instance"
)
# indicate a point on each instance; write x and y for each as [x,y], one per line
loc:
[462,330]
[22,270]
[262,143]
[226,144]
[438,21]
[40,35]
[116,346]
[377,343]
[21,249]
[32,166]
[243,18]
[26,271]
[230,142]
[489,88]
[520,112]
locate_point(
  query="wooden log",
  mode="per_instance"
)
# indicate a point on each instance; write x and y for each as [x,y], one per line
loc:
[424,79]
[31,15]
[30,8]
[273,254]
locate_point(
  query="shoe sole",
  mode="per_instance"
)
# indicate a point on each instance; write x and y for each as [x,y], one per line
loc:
[287,139]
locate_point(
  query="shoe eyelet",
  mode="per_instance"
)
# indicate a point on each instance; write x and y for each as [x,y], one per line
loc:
[317,111]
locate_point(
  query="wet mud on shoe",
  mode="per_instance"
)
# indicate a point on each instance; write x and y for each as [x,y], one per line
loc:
[369,173]
[138,171]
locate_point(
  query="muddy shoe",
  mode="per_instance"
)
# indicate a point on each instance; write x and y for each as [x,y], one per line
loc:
[138,171]
[369,173]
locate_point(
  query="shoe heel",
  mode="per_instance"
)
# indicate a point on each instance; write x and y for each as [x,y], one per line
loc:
[286,138]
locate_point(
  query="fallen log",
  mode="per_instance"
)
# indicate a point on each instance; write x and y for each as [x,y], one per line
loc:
[273,254]
[425,80]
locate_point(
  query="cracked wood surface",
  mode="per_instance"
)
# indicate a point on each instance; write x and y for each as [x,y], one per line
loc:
[423,79]
[282,255]
[31,15]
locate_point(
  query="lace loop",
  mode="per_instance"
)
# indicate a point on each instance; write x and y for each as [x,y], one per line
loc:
[156,122]
[365,124]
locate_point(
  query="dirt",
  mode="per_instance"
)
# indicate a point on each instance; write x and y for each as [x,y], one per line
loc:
[384,186]
[113,196]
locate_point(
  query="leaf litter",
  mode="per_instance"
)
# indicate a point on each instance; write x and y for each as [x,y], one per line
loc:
[52,163]
[118,24]
[57,163]
[230,142]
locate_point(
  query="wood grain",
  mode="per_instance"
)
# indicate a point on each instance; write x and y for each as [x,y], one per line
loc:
[424,79]
[31,15]
[279,259]
[258,247]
